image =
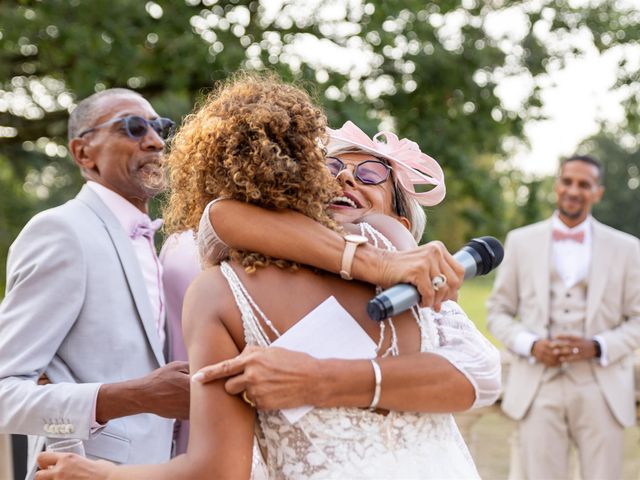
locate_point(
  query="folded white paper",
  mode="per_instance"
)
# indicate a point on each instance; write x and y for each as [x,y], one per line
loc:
[328,331]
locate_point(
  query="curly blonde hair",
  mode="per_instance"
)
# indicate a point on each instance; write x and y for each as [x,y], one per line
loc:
[256,140]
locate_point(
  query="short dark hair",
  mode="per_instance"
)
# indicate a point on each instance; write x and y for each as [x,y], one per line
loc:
[85,113]
[586,159]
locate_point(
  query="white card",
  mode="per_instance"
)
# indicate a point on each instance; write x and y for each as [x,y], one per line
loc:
[328,331]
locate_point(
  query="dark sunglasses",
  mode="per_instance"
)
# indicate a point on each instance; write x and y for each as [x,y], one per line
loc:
[369,172]
[137,127]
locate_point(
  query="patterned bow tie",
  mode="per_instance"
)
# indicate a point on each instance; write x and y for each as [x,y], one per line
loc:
[145,228]
[559,235]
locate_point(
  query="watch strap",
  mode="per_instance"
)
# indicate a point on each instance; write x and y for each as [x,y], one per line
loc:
[350,245]
[347,259]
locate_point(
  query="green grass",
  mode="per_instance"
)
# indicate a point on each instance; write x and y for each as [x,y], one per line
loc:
[473,299]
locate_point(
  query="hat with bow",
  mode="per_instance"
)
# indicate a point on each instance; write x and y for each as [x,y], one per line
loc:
[410,166]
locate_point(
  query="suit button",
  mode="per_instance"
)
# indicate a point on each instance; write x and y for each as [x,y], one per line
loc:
[568,295]
[566,311]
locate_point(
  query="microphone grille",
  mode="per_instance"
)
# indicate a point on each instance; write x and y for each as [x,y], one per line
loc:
[490,250]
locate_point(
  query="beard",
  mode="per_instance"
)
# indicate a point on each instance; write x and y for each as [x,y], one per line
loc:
[572,215]
[151,179]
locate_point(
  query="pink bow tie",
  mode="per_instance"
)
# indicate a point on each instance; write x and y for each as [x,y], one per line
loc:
[145,228]
[559,235]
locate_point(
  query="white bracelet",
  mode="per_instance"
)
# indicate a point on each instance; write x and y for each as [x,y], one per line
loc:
[378,376]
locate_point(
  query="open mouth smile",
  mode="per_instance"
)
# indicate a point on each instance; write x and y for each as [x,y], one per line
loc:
[345,201]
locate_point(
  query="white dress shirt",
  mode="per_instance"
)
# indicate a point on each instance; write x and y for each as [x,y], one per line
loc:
[572,259]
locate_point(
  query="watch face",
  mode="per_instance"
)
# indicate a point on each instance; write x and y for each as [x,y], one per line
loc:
[357,239]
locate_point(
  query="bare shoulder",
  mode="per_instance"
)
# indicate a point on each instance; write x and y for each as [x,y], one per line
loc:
[207,296]
[209,305]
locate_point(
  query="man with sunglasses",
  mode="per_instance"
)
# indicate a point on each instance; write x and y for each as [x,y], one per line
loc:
[84,303]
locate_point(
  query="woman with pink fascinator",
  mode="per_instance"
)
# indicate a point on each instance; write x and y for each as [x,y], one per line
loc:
[382,414]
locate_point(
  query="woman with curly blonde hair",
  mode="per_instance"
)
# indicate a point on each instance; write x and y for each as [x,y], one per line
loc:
[259,141]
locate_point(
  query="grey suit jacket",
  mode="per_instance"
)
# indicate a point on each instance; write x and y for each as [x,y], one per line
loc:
[520,302]
[76,307]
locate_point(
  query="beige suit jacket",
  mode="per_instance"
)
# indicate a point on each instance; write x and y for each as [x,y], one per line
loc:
[520,302]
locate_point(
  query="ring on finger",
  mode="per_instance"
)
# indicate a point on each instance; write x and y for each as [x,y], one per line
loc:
[246,398]
[438,281]
[575,350]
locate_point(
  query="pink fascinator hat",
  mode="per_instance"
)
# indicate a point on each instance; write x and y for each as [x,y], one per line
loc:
[410,166]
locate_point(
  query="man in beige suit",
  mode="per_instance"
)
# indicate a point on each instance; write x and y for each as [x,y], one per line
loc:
[567,301]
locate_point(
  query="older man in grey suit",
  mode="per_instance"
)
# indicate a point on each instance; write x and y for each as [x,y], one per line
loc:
[567,301]
[84,302]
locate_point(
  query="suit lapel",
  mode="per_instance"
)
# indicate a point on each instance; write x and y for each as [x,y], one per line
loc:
[130,266]
[541,267]
[598,270]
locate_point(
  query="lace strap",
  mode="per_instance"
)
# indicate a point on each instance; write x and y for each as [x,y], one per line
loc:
[423,316]
[376,236]
[253,330]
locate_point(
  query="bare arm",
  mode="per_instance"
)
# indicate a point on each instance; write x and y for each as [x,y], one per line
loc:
[290,235]
[276,378]
[221,435]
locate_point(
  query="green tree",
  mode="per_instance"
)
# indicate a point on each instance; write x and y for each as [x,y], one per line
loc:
[620,205]
[427,70]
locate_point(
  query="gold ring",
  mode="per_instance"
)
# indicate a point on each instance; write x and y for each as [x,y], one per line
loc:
[247,399]
[438,281]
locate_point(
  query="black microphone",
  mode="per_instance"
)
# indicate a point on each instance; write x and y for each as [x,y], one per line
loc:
[478,257]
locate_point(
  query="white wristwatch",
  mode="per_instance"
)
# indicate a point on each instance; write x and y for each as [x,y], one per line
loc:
[351,242]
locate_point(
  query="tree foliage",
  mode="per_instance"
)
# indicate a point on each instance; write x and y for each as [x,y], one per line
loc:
[427,70]
[620,204]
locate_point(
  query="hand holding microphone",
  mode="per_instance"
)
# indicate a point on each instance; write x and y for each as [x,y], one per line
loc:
[478,257]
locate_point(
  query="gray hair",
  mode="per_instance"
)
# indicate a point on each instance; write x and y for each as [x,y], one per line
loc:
[86,112]
[403,205]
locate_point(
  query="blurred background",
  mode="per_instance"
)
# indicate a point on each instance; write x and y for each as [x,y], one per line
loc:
[496,90]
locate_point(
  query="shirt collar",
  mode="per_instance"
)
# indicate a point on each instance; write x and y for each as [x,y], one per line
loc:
[583,226]
[127,214]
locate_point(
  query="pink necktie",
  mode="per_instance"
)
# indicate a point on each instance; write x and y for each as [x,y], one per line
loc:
[559,235]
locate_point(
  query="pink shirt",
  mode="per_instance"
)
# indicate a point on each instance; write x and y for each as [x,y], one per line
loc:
[128,216]
[180,264]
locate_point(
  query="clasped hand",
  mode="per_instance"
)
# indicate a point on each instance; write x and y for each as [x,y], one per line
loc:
[563,349]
